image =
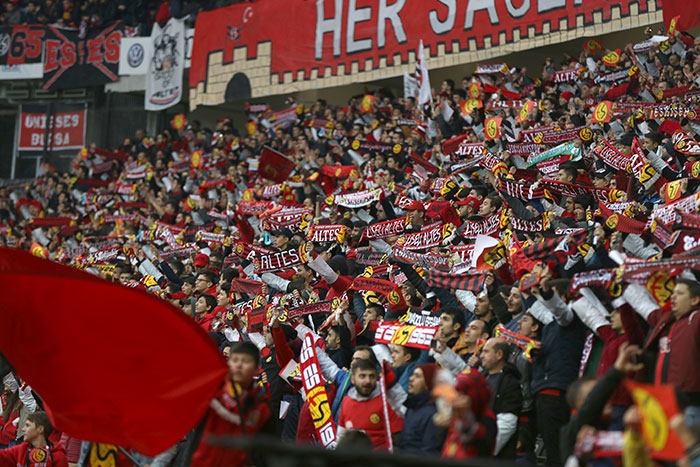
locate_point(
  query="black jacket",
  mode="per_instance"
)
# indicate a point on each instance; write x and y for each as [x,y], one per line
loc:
[506,397]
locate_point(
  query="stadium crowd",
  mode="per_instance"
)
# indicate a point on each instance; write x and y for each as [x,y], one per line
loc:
[535,231]
[140,14]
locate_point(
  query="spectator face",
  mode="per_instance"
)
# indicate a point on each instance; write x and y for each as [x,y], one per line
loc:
[333,340]
[416,383]
[400,356]
[562,176]
[281,242]
[222,298]
[616,321]
[370,314]
[447,327]
[474,331]
[514,301]
[485,208]
[360,355]
[490,359]
[579,212]
[527,326]
[187,288]
[202,284]
[483,306]
[364,381]
[200,306]
[681,300]
[31,431]
[242,368]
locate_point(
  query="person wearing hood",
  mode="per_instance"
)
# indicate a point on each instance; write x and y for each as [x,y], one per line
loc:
[419,434]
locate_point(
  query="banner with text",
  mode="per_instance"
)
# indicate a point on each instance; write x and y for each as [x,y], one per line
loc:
[66,127]
[241,49]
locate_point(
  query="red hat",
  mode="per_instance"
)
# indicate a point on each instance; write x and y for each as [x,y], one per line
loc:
[429,370]
[473,384]
[470,201]
[414,205]
[201,260]
[567,95]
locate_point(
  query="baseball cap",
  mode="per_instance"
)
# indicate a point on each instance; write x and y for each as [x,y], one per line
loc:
[201,260]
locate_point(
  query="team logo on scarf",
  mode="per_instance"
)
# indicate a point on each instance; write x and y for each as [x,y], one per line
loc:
[280,260]
[355,200]
[434,236]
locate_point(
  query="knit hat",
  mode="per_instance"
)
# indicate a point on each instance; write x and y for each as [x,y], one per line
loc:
[429,370]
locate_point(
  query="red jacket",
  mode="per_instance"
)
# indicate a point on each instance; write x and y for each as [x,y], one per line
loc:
[24,455]
[678,344]
[225,418]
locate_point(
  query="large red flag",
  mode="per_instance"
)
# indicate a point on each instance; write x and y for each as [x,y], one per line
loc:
[112,364]
[274,165]
[687,11]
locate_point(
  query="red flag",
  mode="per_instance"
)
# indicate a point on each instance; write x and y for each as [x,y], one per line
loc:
[468,105]
[102,355]
[612,58]
[657,405]
[39,250]
[251,128]
[528,106]
[474,91]
[602,112]
[197,159]
[179,121]
[492,128]
[274,165]
[366,104]
[687,12]
[592,46]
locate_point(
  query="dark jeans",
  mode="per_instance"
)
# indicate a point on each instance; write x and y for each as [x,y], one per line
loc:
[527,436]
[552,414]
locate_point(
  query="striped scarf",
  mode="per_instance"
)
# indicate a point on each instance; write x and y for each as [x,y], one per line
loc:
[386,228]
[523,191]
[473,282]
[612,156]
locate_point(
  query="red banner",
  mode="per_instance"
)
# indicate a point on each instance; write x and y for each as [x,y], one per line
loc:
[66,130]
[347,42]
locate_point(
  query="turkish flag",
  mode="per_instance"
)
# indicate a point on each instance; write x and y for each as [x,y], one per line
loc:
[274,165]
[112,364]
[688,12]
